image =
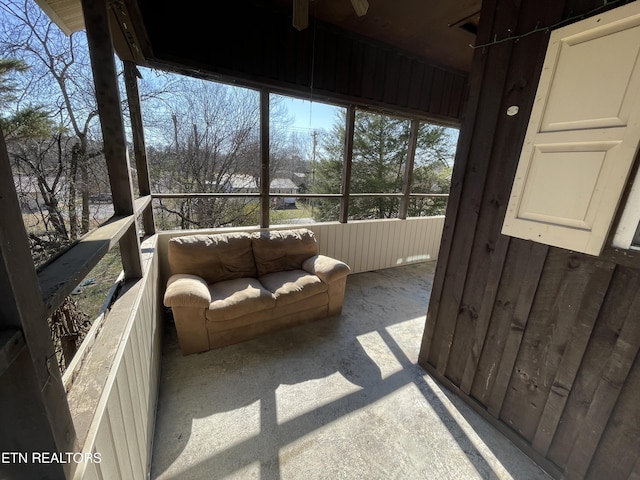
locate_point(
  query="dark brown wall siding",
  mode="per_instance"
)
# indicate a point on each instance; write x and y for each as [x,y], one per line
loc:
[543,341]
[318,62]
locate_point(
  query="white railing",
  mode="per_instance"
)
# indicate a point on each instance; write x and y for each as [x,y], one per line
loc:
[119,438]
[364,245]
[376,244]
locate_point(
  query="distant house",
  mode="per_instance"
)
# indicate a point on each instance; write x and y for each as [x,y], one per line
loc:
[239,183]
[299,178]
[283,185]
[286,187]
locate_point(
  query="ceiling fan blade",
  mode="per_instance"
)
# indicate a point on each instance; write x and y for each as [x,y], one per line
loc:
[360,6]
[300,14]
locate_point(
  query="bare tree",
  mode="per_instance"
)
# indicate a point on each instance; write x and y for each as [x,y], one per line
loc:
[210,144]
[59,77]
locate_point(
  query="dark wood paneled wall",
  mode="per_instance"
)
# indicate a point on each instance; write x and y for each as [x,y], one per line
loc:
[542,341]
[319,63]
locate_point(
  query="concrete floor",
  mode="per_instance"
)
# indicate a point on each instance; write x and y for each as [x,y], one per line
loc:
[341,398]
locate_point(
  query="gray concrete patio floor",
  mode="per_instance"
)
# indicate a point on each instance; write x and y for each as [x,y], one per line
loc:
[340,398]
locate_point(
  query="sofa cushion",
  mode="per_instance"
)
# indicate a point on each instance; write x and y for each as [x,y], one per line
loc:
[292,285]
[215,258]
[277,251]
[237,297]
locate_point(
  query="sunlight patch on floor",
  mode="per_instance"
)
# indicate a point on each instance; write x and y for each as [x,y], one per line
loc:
[399,330]
[472,435]
[378,352]
[361,443]
[294,401]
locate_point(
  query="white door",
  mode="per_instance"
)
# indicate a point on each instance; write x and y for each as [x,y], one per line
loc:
[583,134]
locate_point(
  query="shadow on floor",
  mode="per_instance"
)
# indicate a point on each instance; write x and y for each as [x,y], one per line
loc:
[338,398]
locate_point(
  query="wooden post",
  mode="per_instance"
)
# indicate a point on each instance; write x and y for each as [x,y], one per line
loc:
[96,19]
[131,75]
[36,415]
[264,159]
[348,159]
[408,169]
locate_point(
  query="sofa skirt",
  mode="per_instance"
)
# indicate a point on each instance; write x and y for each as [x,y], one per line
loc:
[197,334]
[229,336]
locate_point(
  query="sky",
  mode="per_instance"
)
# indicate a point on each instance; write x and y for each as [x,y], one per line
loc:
[309,116]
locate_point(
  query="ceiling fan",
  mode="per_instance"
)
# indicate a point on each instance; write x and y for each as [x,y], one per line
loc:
[301,11]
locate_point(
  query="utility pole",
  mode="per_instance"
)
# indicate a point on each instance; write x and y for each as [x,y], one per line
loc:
[314,134]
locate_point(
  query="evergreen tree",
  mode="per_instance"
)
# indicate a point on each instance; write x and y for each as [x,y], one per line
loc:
[31,121]
[380,147]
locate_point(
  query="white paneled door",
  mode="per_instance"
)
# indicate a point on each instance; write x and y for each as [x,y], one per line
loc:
[583,134]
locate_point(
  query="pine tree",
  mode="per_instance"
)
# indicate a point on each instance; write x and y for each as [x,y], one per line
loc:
[380,148]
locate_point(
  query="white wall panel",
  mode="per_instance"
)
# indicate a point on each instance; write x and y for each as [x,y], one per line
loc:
[364,245]
[376,244]
[122,427]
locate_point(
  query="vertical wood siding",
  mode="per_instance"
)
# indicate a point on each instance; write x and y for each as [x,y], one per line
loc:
[123,425]
[542,341]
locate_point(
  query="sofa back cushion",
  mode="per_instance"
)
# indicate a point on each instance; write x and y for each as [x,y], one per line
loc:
[215,258]
[281,250]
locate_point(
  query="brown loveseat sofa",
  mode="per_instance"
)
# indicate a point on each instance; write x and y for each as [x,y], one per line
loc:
[227,288]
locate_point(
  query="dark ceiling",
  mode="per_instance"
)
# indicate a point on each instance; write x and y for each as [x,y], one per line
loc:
[438,30]
[407,56]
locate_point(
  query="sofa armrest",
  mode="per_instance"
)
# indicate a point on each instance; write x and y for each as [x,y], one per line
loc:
[326,268]
[185,290]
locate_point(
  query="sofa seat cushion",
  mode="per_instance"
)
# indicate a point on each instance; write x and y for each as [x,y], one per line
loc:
[292,286]
[234,298]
